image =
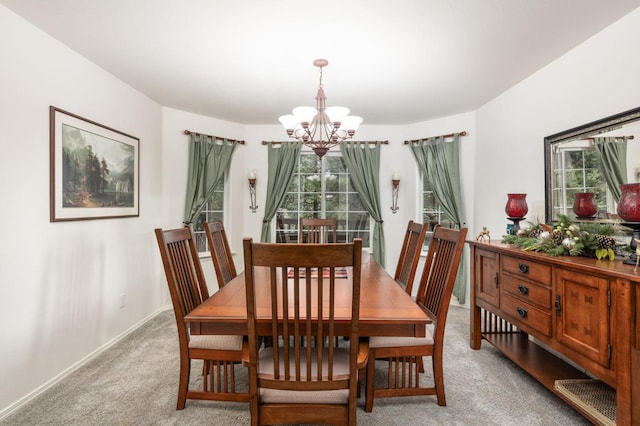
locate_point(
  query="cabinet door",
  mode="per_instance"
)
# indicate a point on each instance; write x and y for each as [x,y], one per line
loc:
[582,314]
[487,278]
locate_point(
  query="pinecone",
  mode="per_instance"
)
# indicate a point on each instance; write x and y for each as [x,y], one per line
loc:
[605,241]
[535,233]
[556,237]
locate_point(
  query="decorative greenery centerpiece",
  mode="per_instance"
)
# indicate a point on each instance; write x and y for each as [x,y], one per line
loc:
[566,238]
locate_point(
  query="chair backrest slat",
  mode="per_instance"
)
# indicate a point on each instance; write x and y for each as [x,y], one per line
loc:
[220,252]
[410,255]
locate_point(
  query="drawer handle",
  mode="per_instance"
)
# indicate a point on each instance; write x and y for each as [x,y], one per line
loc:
[521,312]
[523,289]
[495,280]
[523,268]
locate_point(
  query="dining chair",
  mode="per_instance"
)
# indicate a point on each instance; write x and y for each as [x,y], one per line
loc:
[220,252]
[410,255]
[314,230]
[188,289]
[402,353]
[294,382]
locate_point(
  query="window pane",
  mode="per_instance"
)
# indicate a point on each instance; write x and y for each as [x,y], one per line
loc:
[431,210]
[212,211]
[325,192]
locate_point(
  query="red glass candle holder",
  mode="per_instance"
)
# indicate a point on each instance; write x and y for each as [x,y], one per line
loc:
[584,204]
[629,204]
[516,207]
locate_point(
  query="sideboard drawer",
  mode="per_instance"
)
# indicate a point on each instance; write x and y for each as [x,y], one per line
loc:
[527,315]
[532,270]
[526,290]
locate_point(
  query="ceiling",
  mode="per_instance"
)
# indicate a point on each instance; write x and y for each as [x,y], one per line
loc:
[391,62]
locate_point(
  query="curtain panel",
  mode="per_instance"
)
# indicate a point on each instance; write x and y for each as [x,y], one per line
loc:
[209,157]
[612,153]
[439,161]
[363,162]
[282,160]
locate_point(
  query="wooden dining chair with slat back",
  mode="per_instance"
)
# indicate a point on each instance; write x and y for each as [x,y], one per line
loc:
[220,252]
[401,353]
[188,289]
[410,255]
[313,230]
[293,382]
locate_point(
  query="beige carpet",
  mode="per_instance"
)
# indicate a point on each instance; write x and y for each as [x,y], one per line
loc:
[135,383]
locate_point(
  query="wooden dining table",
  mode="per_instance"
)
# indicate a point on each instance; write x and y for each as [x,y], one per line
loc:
[385,308]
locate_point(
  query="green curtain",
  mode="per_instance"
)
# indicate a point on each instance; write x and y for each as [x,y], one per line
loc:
[363,162]
[208,159]
[612,153]
[439,161]
[282,163]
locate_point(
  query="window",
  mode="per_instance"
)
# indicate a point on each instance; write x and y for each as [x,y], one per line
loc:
[577,169]
[432,212]
[321,188]
[212,211]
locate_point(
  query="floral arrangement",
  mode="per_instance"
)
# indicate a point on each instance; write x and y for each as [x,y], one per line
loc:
[566,238]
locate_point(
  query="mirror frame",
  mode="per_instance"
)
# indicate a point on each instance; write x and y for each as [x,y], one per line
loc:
[586,130]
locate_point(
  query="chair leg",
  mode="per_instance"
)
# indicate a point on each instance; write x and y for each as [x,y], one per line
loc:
[369,388]
[438,377]
[185,370]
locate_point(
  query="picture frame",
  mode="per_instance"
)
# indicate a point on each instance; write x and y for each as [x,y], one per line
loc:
[94,170]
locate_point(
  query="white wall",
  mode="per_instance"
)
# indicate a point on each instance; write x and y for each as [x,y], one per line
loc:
[61,282]
[599,78]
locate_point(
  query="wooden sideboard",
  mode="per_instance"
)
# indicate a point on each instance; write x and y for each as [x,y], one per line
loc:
[529,305]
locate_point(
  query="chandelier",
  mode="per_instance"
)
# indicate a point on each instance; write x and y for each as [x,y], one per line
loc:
[320,128]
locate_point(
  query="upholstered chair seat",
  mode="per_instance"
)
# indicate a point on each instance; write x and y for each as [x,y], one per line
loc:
[216,342]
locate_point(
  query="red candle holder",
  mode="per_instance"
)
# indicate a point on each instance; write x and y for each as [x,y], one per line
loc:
[629,211]
[629,204]
[584,204]
[516,209]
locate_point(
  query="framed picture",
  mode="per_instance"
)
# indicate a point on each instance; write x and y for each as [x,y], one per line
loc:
[94,170]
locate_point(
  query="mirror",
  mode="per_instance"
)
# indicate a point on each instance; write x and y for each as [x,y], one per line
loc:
[573,164]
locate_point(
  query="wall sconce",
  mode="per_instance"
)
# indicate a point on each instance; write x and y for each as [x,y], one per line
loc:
[252,191]
[395,183]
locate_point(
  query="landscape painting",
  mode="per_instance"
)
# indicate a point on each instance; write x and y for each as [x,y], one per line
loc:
[94,170]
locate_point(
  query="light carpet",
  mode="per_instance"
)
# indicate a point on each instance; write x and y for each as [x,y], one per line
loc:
[135,382]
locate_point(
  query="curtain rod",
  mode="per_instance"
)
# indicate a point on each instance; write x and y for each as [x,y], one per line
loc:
[462,133]
[615,137]
[188,132]
[367,142]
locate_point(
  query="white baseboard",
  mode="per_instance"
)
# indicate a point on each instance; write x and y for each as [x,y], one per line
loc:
[38,391]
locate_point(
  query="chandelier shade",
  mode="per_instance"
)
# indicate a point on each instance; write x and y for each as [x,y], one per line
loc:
[320,128]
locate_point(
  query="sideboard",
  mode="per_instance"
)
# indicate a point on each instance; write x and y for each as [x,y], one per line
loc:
[560,317]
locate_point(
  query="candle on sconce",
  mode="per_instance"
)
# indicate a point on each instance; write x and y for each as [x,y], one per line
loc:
[395,183]
[252,190]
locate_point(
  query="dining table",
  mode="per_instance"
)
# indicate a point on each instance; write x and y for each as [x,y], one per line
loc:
[385,308]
